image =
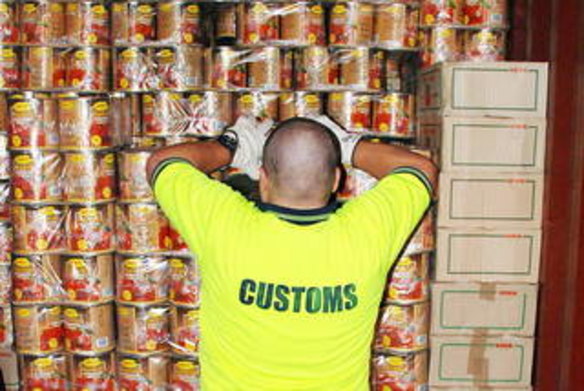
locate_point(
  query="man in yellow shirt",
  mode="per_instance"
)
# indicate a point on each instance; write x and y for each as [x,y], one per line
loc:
[291,286]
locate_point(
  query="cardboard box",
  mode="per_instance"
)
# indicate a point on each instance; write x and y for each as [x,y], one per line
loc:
[486,144]
[503,89]
[475,361]
[466,254]
[9,370]
[502,200]
[483,309]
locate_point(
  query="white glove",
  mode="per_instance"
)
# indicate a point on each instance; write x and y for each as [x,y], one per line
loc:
[251,137]
[348,141]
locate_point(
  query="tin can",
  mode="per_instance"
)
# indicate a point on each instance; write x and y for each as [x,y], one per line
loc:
[84,122]
[179,22]
[225,23]
[257,104]
[125,117]
[264,68]
[141,279]
[135,371]
[87,22]
[184,330]
[485,13]
[4,160]
[42,22]
[441,12]
[403,328]
[142,329]
[10,62]
[9,28]
[36,279]
[351,23]
[89,329]
[90,228]
[43,68]
[5,242]
[88,277]
[184,281]
[184,374]
[179,67]
[132,175]
[36,176]
[393,114]
[229,71]
[300,104]
[38,329]
[484,45]
[33,122]
[141,228]
[400,372]
[314,69]
[261,22]
[164,114]
[6,329]
[210,112]
[43,372]
[133,22]
[360,68]
[423,239]
[351,110]
[410,281]
[6,285]
[134,69]
[89,176]
[88,69]
[302,23]
[92,372]
[396,26]
[177,243]
[38,228]
[441,44]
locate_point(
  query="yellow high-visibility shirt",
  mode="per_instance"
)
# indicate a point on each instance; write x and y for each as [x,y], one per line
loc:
[289,299]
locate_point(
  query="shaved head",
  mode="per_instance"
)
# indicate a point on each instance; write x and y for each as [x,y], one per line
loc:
[300,160]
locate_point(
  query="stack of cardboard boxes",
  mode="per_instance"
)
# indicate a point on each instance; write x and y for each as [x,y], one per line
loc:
[487,124]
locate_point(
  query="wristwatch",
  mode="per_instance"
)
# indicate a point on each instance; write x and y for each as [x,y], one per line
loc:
[229,140]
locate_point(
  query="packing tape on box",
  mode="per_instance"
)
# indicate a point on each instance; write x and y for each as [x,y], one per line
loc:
[477,363]
[488,291]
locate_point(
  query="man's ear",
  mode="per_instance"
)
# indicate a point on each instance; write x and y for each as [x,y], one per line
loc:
[337,180]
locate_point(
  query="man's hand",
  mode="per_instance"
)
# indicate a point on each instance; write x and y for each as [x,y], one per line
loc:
[347,140]
[251,137]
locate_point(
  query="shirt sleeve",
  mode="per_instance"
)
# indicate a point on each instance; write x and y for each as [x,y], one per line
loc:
[387,215]
[196,205]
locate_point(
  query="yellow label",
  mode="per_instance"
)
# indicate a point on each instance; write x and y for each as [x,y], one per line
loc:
[91,363]
[129,53]
[145,9]
[109,158]
[77,157]
[317,9]
[88,213]
[55,311]
[29,8]
[56,7]
[23,312]
[248,98]
[53,343]
[193,9]
[186,366]
[129,364]
[71,313]
[43,362]
[176,263]
[81,55]
[195,98]
[71,7]
[23,160]
[98,10]
[336,96]
[127,295]
[22,263]
[100,106]
[3,7]
[95,140]
[151,345]
[147,98]
[48,211]
[125,311]
[192,315]
[166,6]
[259,7]
[68,104]
[174,97]
[311,99]
[132,263]
[118,7]
[339,9]
[165,53]
[8,53]
[21,107]
[395,361]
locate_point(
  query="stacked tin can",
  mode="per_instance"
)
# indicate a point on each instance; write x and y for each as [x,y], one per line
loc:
[158,64]
[62,192]
[463,30]
[400,347]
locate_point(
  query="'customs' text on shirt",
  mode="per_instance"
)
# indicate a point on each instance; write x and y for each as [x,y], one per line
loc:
[311,299]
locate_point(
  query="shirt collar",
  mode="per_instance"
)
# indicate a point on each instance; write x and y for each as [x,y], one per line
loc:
[300,216]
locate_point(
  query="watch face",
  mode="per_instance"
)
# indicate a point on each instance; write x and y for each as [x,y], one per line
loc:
[229,140]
